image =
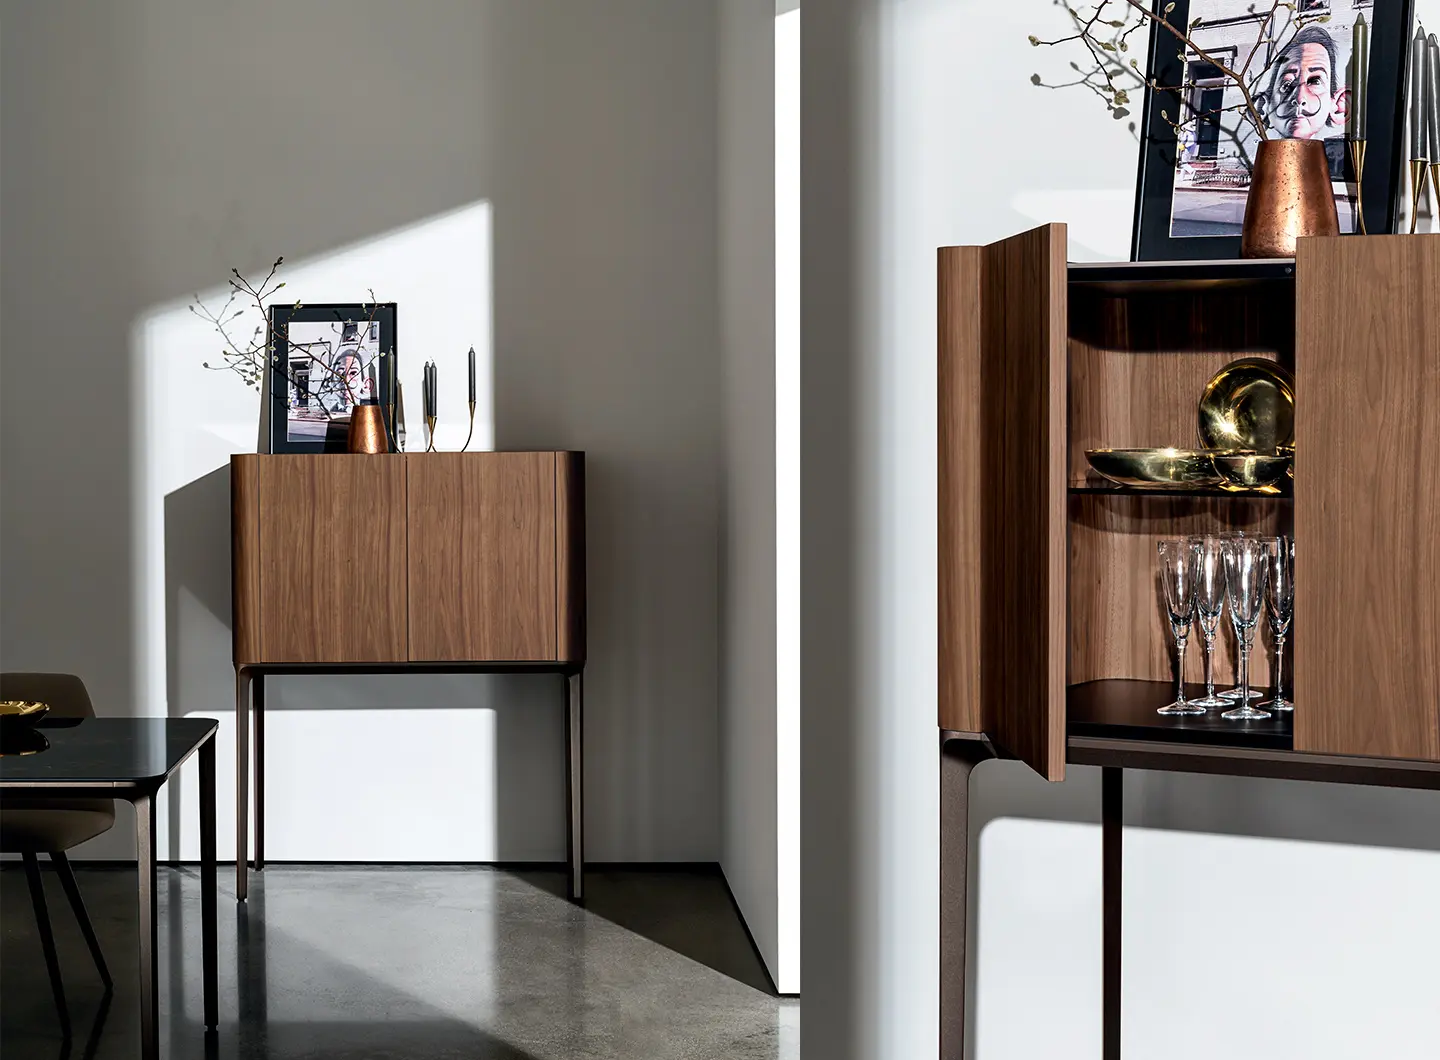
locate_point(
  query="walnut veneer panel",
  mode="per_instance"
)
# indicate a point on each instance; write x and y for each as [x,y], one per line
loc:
[482,562]
[1139,362]
[331,558]
[1023,451]
[245,557]
[961,487]
[1118,622]
[570,556]
[1367,496]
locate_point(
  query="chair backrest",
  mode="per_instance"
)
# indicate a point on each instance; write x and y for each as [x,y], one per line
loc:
[65,693]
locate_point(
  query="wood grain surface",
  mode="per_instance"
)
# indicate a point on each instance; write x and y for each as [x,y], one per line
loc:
[961,497]
[1119,627]
[245,557]
[332,558]
[570,556]
[1138,363]
[1023,455]
[482,557]
[1367,496]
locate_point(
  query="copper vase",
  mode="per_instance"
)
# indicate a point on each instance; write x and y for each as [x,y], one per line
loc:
[367,430]
[1290,197]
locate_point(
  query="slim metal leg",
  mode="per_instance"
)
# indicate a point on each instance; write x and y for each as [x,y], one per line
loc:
[259,697]
[149,977]
[958,757]
[47,938]
[242,781]
[575,784]
[1112,826]
[72,892]
[208,899]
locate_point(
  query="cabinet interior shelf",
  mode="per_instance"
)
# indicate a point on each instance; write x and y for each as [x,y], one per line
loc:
[1110,489]
[1126,709]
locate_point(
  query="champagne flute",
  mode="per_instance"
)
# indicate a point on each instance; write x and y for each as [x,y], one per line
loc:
[1209,607]
[1245,572]
[1231,695]
[1177,579]
[1280,607]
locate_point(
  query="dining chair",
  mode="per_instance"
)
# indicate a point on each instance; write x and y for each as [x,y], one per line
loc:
[34,826]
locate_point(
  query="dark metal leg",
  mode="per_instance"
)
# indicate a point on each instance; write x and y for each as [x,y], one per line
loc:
[958,756]
[259,696]
[242,781]
[207,884]
[1112,825]
[72,892]
[47,938]
[149,977]
[575,784]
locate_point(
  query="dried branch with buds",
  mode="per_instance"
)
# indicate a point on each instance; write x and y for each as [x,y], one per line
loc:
[1106,31]
[251,357]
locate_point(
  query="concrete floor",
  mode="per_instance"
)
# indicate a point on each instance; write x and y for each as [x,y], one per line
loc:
[332,963]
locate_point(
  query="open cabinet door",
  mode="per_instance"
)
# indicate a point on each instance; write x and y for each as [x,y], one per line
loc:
[1002,379]
[1367,497]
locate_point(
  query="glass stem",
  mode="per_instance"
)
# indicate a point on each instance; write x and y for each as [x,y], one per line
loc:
[1209,666]
[1244,673]
[1279,669]
[1180,690]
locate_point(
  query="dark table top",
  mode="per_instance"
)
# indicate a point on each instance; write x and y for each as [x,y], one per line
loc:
[126,752]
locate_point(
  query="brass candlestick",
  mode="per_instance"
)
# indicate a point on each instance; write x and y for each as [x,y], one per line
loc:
[1357,159]
[1418,166]
[472,428]
[430,423]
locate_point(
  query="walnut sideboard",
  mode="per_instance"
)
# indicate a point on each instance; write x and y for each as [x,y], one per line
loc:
[407,563]
[1052,648]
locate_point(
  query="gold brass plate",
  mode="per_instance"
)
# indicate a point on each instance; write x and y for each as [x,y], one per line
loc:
[1249,404]
[21,708]
[1253,471]
[1156,468]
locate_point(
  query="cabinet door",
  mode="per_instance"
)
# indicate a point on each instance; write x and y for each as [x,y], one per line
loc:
[1002,494]
[482,557]
[1367,497]
[331,576]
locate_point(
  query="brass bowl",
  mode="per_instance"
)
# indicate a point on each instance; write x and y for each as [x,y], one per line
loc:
[1156,468]
[21,713]
[1253,471]
[1249,404]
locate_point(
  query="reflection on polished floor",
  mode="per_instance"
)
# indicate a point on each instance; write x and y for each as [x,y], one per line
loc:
[333,963]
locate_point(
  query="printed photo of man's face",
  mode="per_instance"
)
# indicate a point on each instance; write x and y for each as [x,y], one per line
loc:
[1304,100]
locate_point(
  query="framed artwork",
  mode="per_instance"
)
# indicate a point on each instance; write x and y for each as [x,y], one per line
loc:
[328,358]
[1299,66]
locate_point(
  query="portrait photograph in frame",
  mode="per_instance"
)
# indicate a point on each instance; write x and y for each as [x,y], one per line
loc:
[1299,65]
[328,358]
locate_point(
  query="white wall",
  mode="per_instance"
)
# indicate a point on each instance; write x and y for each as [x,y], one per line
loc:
[152,145]
[921,129]
[760,327]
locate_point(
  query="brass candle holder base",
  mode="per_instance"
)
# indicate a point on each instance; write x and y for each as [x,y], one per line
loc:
[1418,167]
[1357,160]
[471,433]
[430,424]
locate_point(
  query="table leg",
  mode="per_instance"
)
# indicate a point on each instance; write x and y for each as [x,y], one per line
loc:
[242,781]
[1112,828]
[207,883]
[575,784]
[259,697]
[958,757]
[149,978]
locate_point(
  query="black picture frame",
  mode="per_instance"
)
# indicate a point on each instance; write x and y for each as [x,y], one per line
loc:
[1151,240]
[333,323]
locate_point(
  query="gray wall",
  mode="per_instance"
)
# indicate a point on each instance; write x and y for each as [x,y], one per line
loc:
[747,285]
[151,145]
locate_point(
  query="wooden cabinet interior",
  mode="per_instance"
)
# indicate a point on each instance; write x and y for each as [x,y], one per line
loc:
[1138,362]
